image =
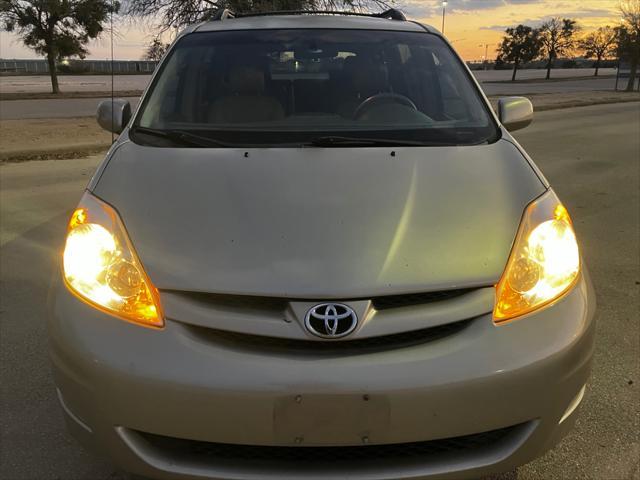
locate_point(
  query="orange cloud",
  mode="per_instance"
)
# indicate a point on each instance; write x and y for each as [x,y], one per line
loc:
[472,24]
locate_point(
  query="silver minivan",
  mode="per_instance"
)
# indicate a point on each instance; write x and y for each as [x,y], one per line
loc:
[315,252]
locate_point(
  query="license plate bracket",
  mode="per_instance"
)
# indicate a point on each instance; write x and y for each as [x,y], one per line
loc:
[331,419]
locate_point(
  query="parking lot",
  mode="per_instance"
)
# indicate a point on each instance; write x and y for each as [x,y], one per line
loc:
[590,155]
[494,82]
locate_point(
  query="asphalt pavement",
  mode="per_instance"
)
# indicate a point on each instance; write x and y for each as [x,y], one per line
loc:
[591,156]
[585,85]
[72,83]
[53,108]
[102,83]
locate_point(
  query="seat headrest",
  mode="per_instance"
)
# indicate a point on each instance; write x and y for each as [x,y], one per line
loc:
[246,80]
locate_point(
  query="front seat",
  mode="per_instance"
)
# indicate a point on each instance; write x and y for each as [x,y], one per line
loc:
[247,102]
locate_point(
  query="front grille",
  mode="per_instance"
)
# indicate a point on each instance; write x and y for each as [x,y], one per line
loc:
[277,305]
[410,299]
[249,303]
[304,454]
[333,348]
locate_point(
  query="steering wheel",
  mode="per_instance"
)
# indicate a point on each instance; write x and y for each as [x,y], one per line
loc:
[382,99]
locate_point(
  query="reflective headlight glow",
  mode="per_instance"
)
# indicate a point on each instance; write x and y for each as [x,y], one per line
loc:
[544,262]
[101,267]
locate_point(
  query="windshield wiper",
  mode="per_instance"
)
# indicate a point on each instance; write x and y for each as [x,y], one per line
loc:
[182,137]
[338,141]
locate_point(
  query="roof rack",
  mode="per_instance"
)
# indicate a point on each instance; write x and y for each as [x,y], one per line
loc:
[222,14]
[391,14]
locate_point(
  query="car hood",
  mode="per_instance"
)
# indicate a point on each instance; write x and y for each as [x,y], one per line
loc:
[320,222]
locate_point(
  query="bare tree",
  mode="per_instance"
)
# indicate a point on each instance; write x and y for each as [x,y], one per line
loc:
[599,44]
[178,13]
[629,37]
[520,45]
[155,50]
[558,38]
[56,28]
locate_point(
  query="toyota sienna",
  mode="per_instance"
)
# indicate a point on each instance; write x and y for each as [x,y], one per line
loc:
[316,252]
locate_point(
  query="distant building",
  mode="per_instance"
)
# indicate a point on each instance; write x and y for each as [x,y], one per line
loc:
[95,67]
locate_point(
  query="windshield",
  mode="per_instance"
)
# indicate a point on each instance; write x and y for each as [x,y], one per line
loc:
[333,87]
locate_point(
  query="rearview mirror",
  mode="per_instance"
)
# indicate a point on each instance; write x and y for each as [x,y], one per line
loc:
[113,115]
[515,112]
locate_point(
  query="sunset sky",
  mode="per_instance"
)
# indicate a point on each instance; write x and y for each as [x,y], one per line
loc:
[469,24]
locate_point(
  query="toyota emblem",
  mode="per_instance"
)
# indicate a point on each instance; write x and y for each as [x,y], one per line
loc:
[331,320]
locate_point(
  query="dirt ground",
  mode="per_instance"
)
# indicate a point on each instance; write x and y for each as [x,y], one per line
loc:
[33,139]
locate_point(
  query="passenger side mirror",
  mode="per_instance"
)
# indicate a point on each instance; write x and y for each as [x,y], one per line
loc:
[515,112]
[113,115]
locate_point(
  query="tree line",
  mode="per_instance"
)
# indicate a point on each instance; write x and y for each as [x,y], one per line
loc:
[58,29]
[561,36]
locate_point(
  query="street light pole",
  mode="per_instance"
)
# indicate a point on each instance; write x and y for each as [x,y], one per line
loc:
[485,59]
[486,51]
[444,9]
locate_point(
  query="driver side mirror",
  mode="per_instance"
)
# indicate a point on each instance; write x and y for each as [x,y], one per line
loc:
[515,112]
[113,115]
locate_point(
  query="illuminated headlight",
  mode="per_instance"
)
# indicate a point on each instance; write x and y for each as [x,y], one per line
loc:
[544,261]
[100,265]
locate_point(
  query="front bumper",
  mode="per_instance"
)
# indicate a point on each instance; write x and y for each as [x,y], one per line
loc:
[121,384]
